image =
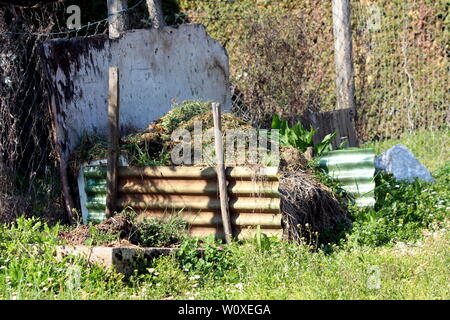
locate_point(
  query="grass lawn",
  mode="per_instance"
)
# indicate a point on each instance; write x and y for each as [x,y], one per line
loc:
[280,271]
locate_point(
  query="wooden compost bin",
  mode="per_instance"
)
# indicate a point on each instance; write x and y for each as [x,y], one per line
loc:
[192,193]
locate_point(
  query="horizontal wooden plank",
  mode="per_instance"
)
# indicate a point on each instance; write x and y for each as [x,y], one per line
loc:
[188,187]
[269,173]
[147,201]
[239,233]
[211,218]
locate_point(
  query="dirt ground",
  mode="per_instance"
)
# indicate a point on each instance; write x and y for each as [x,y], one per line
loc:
[118,225]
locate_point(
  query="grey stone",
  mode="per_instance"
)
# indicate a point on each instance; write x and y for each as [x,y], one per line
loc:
[402,163]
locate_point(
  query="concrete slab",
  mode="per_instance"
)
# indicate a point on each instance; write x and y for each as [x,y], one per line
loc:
[156,67]
[121,258]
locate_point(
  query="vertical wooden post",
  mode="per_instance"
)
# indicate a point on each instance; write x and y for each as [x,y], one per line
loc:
[118,23]
[155,13]
[224,205]
[345,82]
[113,141]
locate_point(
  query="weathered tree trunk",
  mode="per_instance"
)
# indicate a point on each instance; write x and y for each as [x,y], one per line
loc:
[156,13]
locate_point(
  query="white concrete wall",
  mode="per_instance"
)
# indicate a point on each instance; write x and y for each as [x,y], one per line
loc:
[156,66]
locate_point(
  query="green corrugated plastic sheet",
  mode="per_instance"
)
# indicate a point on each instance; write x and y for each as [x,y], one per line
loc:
[95,187]
[355,169]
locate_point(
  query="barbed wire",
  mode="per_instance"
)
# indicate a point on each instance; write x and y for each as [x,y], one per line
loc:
[95,23]
[87,25]
[38,5]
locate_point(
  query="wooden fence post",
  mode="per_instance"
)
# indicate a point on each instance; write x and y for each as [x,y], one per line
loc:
[345,82]
[113,141]
[118,23]
[155,13]
[221,177]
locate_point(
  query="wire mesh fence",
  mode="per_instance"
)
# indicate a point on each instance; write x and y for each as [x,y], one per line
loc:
[401,63]
[28,163]
[281,61]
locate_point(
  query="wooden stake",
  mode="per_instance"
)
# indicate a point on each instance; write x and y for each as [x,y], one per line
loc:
[66,191]
[224,205]
[113,141]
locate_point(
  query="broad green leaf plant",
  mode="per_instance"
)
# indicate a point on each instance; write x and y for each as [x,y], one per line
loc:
[299,137]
